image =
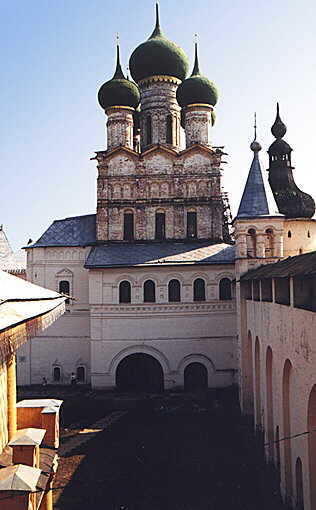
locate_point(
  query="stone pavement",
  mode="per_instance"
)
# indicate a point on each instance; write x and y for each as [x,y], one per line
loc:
[85,434]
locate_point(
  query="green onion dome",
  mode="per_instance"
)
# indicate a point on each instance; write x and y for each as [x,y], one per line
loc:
[197,88]
[119,91]
[158,57]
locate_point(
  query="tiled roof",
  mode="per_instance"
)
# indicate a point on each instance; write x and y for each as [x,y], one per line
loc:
[301,265]
[76,231]
[168,253]
[257,198]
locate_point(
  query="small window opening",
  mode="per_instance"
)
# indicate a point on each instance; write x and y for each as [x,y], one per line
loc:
[149,130]
[128,226]
[289,234]
[169,129]
[160,232]
[225,289]
[191,225]
[199,290]
[125,292]
[64,288]
[56,374]
[174,293]
[149,292]
[81,376]
[308,234]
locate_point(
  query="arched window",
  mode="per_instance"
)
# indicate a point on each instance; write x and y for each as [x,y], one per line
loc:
[289,234]
[149,291]
[199,290]
[169,129]
[64,288]
[125,292]
[56,374]
[160,232]
[81,374]
[191,225]
[269,243]
[174,294]
[225,289]
[148,130]
[128,226]
[251,243]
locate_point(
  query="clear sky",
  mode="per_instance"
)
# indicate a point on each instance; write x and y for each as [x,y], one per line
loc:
[55,54]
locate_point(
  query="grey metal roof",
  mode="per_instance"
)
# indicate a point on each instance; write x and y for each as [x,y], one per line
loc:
[165,253]
[75,231]
[256,199]
[303,266]
[21,300]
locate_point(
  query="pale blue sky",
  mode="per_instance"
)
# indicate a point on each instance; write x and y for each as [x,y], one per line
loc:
[55,54]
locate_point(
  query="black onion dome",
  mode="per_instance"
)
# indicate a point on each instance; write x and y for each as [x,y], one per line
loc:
[291,201]
[197,88]
[158,56]
[119,91]
[279,128]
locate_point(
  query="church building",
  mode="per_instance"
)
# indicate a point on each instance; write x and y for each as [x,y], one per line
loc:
[149,276]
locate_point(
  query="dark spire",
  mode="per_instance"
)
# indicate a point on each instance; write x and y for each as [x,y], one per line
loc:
[196,68]
[279,128]
[291,201]
[118,75]
[157,30]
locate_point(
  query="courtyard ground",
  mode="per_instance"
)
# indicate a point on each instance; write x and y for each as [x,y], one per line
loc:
[178,452]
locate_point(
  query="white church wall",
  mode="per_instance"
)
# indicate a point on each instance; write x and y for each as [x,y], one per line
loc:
[173,331]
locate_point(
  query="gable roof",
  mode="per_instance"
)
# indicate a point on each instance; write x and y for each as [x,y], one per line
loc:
[164,253]
[9,260]
[75,231]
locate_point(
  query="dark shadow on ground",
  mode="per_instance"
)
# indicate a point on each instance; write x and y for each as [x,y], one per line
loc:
[187,454]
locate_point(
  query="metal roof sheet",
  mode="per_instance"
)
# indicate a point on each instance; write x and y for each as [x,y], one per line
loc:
[75,231]
[301,265]
[13,288]
[19,478]
[28,437]
[165,253]
[40,402]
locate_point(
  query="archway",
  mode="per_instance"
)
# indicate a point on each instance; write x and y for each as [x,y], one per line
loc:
[311,426]
[249,376]
[269,395]
[257,384]
[287,428]
[195,377]
[299,504]
[139,373]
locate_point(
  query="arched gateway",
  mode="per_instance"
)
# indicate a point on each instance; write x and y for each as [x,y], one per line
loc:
[139,372]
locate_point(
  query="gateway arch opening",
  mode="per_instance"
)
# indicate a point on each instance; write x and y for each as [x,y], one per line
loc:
[139,373]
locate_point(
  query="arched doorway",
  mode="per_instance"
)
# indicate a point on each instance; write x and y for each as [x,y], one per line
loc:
[195,377]
[269,396]
[258,385]
[139,372]
[299,504]
[286,386]
[311,426]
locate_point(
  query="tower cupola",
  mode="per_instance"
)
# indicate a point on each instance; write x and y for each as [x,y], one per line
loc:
[119,97]
[197,96]
[197,88]
[118,91]
[158,57]
[291,201]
